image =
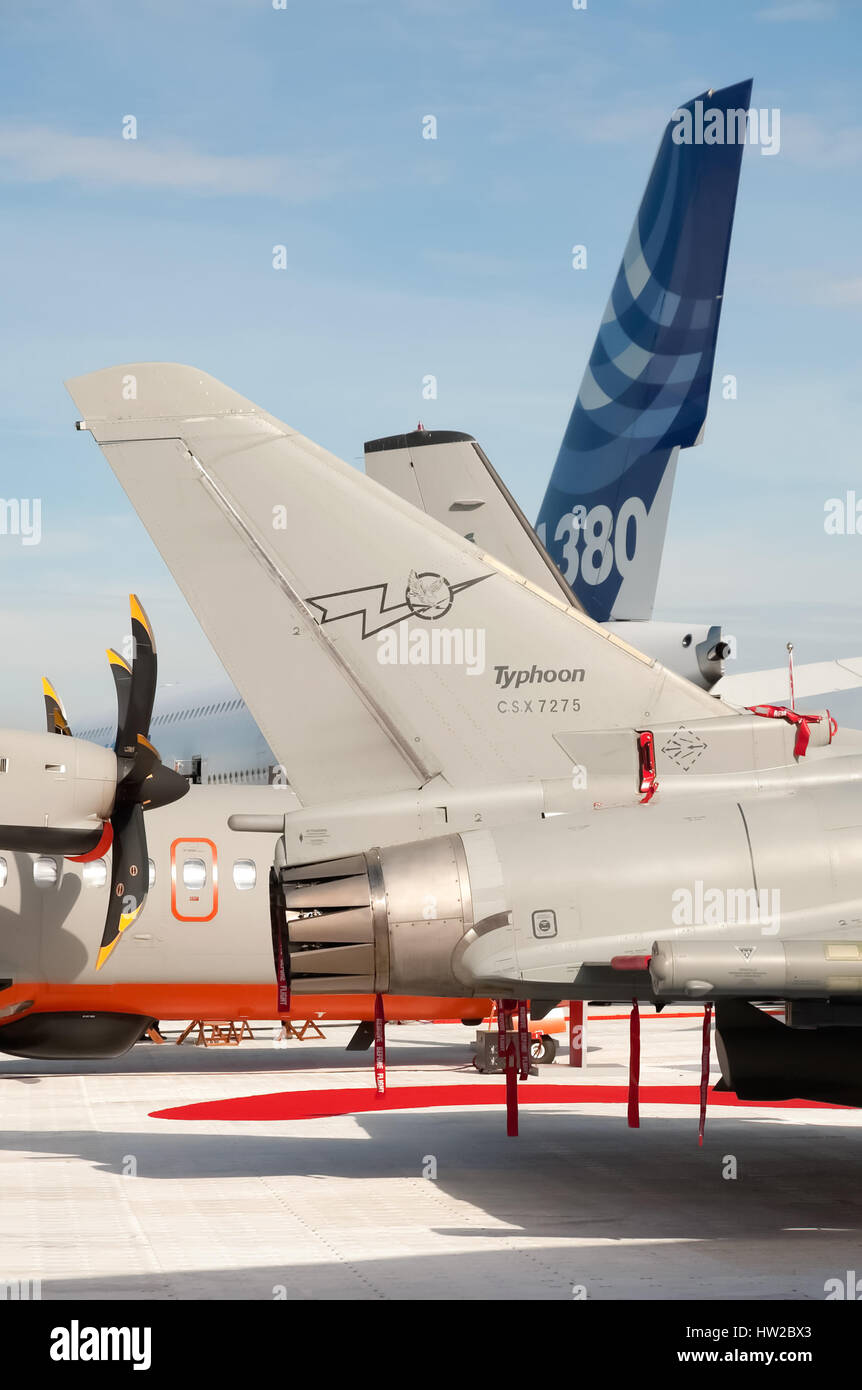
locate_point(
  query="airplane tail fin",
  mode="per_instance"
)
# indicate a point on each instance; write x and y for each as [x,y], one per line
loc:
[375,648]
[448,475]
[645,391]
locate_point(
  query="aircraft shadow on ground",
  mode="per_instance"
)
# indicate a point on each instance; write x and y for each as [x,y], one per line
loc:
[568,1175]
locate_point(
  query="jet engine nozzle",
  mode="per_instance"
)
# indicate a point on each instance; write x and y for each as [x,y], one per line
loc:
[388,920]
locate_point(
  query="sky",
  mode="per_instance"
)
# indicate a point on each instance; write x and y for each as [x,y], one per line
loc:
[302,127]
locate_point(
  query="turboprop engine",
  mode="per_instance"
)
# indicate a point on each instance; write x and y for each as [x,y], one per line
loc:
[54,793]
[63,795]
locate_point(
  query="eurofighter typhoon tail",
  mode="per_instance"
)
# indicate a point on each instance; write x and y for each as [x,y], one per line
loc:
[375,648]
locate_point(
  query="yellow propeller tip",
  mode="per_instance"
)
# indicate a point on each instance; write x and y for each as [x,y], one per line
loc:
[138,613]
[104,952]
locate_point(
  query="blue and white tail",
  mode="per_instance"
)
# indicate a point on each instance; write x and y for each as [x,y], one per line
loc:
[645,391]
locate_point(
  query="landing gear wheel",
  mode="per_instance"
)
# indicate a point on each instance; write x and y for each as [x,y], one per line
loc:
[544,1049]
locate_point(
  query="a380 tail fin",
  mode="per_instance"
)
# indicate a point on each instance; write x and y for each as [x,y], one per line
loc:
[645,391]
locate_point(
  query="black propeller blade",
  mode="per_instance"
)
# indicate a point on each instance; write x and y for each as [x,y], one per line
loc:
[142,782]
[122,674]
[54,712]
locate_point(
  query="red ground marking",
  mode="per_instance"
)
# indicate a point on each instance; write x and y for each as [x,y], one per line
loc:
[314,1105]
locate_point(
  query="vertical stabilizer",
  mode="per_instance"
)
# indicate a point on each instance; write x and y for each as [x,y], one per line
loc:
[645,391]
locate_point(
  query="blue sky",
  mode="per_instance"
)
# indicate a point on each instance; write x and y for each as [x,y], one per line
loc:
[303,127]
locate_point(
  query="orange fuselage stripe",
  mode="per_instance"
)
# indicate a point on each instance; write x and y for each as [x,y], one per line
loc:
[227,1001]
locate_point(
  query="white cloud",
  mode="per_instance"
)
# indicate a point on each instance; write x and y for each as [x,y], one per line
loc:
[819,141]
[843,294]
[798,10]
[800,285]
[45,154]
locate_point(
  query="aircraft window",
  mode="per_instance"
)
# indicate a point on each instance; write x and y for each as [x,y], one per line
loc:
[151,876]
[45,869]
[4,873]
[244,874]
[96,874]
[194,873]
[4,764]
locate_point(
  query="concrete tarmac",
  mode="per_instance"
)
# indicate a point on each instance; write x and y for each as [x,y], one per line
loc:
[100,1200]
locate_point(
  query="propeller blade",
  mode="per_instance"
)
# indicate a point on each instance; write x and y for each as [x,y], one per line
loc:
[142,690]
[54,711]
[130,875]
[122,673]
[143,781]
